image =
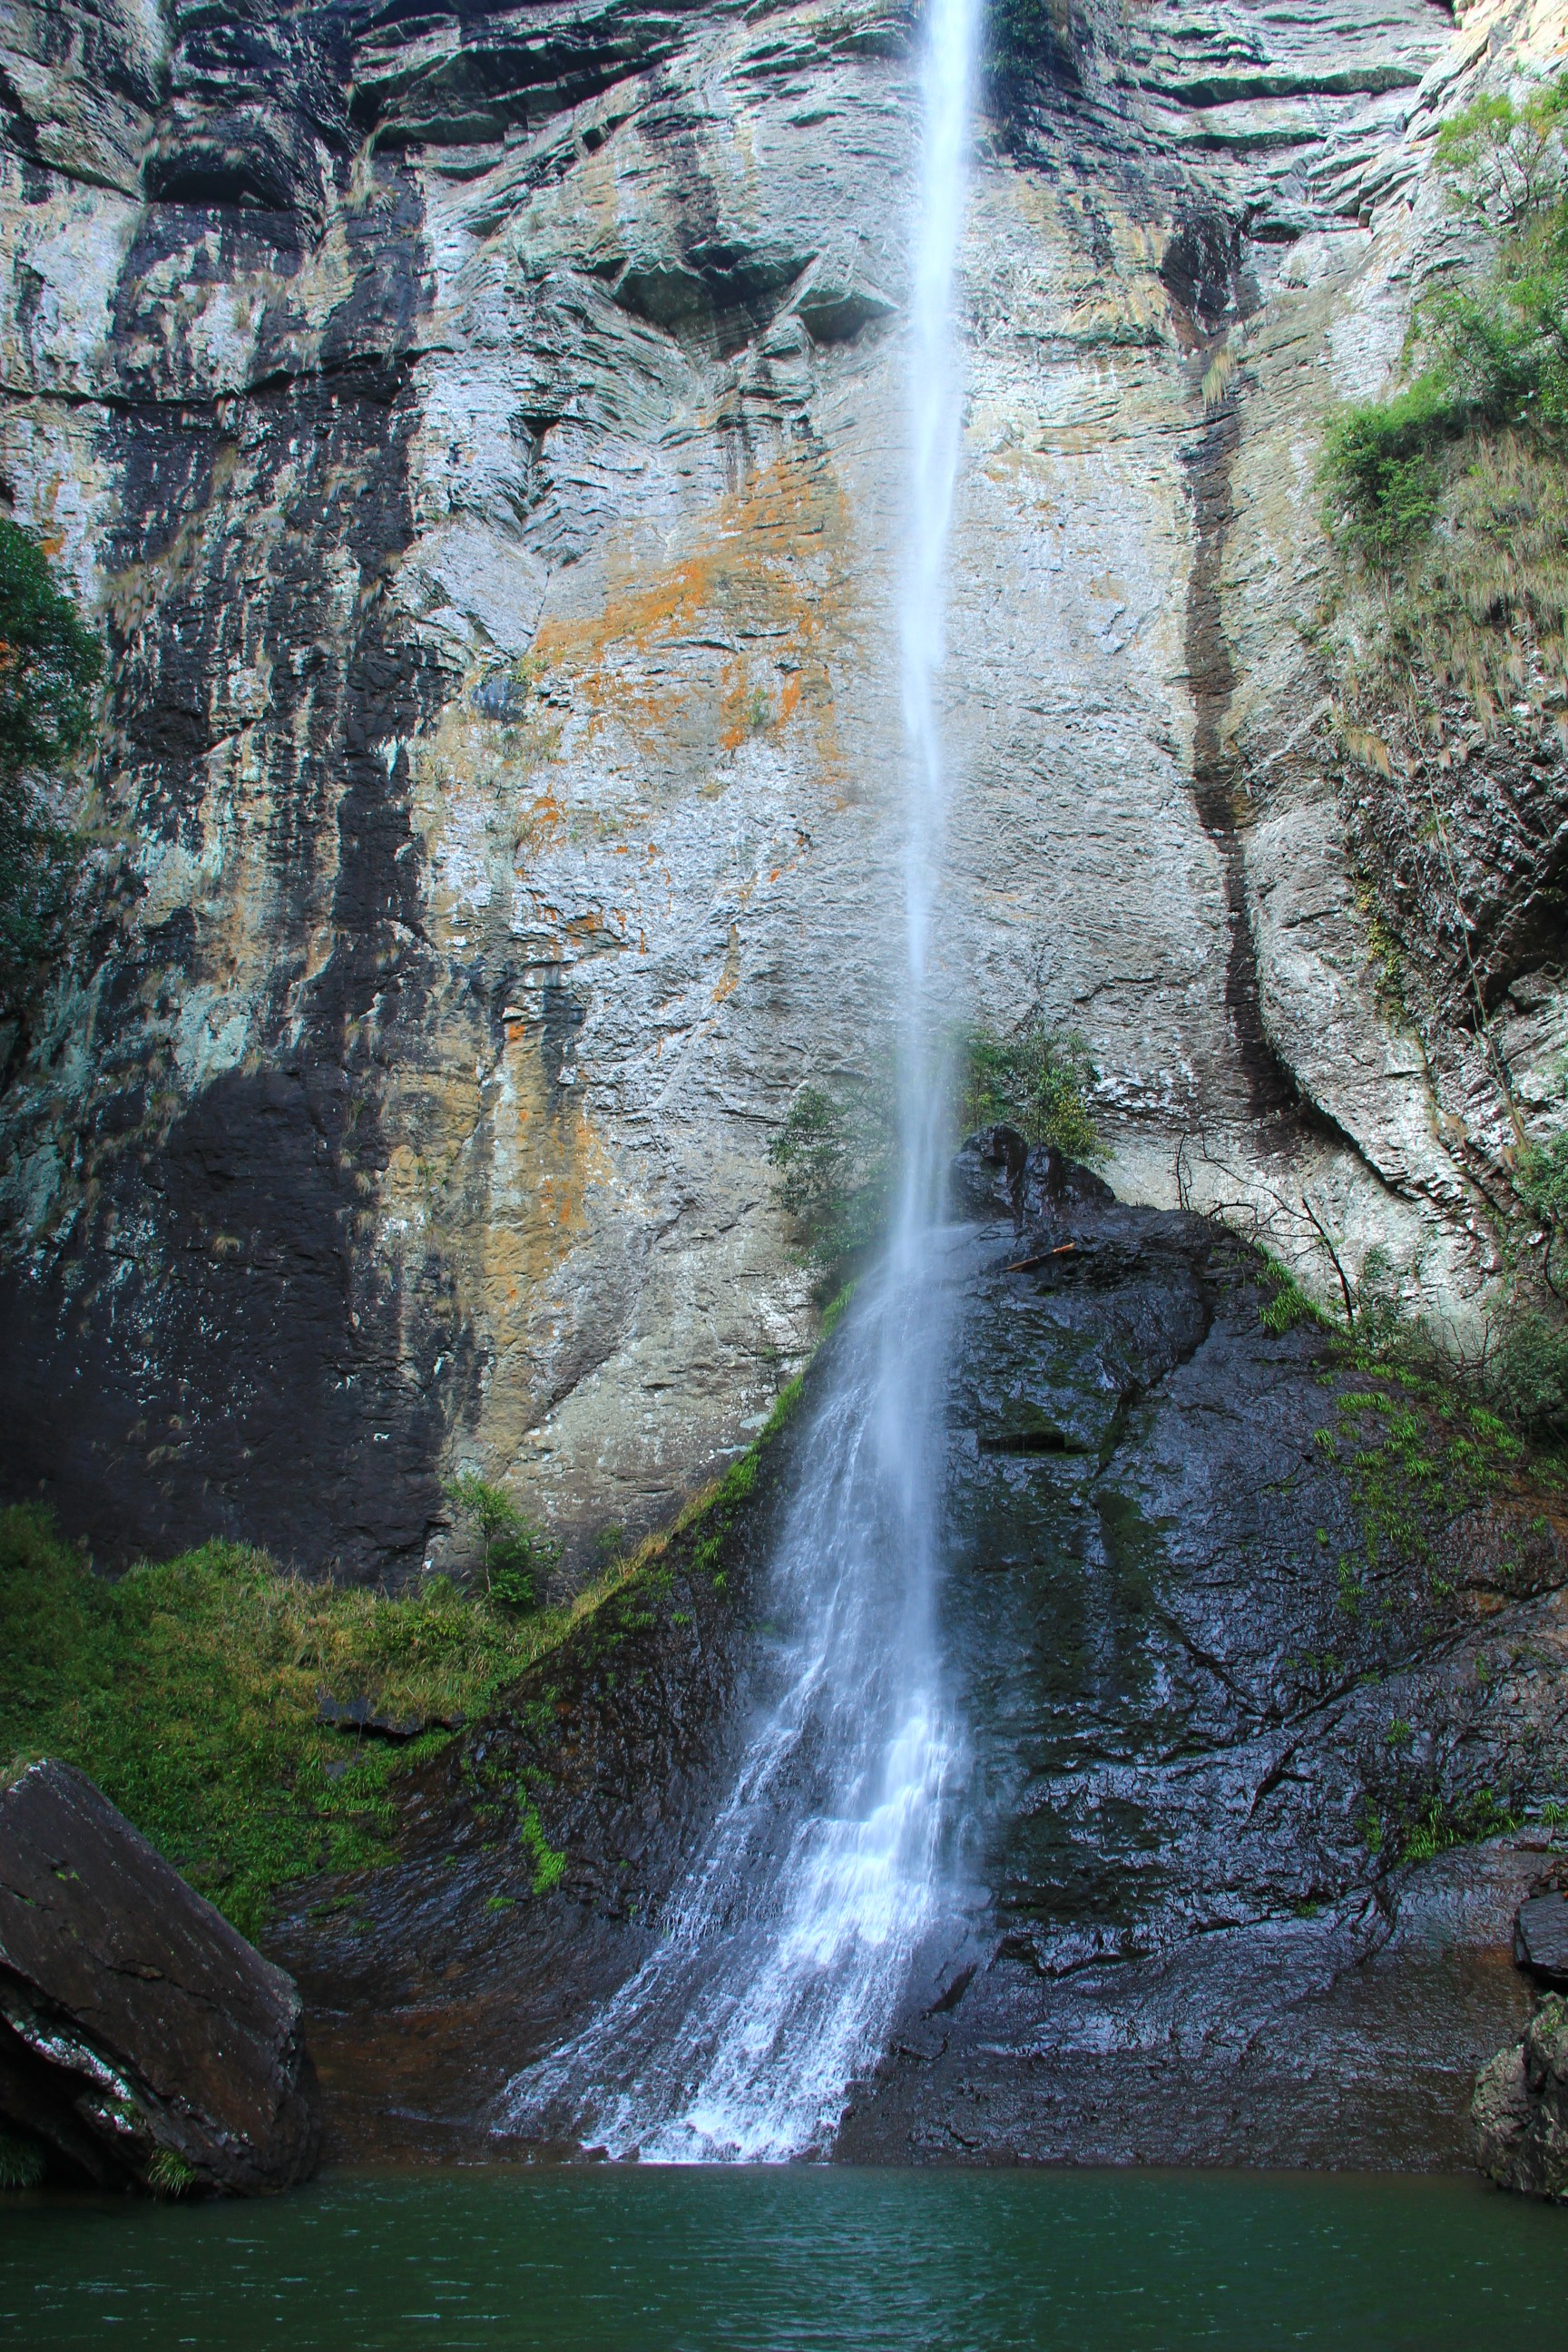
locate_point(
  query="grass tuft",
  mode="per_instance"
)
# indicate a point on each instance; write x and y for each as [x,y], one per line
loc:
[21,2164]
[170,2177]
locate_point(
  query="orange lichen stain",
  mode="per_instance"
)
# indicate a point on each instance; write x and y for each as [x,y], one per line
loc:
[541,825]
[731,971]
[686,651]
[545,1157]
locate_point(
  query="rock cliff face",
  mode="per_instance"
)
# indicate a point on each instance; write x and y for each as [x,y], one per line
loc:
[479,433]
[1259,1656]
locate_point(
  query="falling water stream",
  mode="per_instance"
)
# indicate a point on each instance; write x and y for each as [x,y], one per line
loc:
[785,1950]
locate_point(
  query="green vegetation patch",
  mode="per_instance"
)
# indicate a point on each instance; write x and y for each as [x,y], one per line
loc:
[49,663]
[188,1691]
[1285,1303]
[1381,469]
[1467,1820]
[837,1149]
[1452,492]
[1034,1078]
[1417,1457]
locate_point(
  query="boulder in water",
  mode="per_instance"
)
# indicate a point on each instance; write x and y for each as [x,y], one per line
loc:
[142,2041]
[1521,2108]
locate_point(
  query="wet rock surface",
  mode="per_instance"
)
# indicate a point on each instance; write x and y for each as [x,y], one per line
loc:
[142,2041]
[1240,1627]
[1259,1656]
[1521,2108]
[1540,1938]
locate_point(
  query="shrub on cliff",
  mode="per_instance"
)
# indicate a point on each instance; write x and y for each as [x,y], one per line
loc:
[515,1556]
[1494,351]
[836,1154]
[50,661]
[1380,466]
[1033,1079]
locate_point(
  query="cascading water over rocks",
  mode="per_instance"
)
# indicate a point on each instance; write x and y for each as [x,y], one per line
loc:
[784,1952]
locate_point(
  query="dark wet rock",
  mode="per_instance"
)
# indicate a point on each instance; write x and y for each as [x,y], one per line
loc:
[363,1716]
[141,2039]
[998,1170]
[1521,2108]
[1541,1937]
[1240,1639]
[1236,1636]
[989,1173]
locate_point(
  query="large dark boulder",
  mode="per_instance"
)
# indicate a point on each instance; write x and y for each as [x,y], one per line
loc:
[1540,1938]
[141,2039]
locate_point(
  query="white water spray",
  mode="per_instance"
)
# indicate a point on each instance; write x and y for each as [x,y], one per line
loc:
[786,1950]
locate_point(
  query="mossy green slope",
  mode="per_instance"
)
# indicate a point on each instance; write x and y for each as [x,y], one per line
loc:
[188,1691]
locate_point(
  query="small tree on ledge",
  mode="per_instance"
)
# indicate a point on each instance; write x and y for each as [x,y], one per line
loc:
[515,1555]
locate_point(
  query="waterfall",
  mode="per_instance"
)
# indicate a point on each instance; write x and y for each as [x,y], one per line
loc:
[783,1953]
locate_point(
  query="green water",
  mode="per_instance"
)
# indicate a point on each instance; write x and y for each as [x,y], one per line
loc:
[737,2260]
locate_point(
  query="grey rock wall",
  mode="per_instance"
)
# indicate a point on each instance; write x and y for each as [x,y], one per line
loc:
[480,438]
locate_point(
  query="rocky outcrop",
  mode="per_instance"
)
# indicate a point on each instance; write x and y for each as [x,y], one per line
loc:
[142,2041]
[1541,1937]
[1250,1642]
[1521,2108]
[533,1854]
[1257,1653]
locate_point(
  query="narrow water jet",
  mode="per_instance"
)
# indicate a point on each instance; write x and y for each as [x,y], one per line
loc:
[785,1951]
